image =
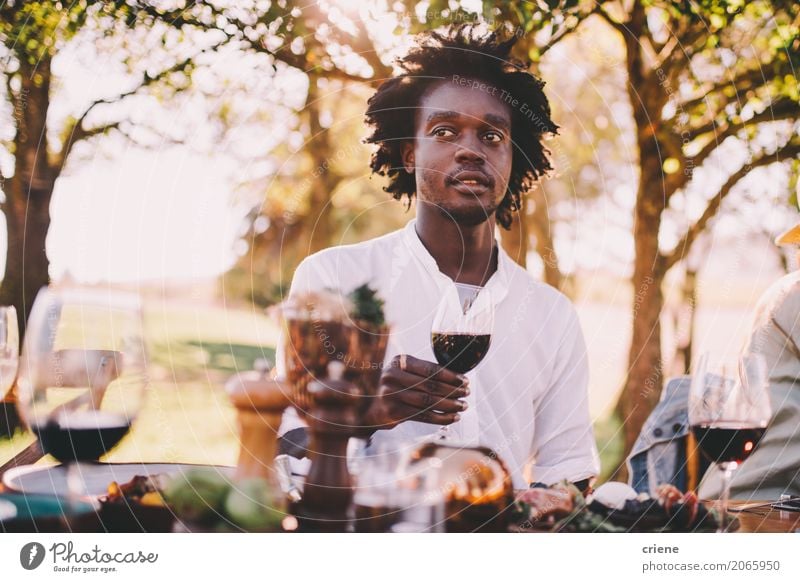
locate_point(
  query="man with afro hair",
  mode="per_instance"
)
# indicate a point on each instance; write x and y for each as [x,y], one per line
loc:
[459,135]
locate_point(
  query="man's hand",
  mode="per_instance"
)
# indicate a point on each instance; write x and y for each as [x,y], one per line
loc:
[413,389]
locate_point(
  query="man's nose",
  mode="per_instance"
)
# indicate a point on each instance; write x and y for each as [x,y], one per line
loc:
[469,150]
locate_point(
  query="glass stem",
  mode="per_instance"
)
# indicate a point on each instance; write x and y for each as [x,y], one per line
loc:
[727,473]
[74,488]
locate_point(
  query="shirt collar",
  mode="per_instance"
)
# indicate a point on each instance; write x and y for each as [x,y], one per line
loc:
[498,283]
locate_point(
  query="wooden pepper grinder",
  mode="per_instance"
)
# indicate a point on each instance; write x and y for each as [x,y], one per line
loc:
[328,490]
[259,401]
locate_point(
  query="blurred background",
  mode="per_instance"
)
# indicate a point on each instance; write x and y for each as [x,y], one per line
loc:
[197,151]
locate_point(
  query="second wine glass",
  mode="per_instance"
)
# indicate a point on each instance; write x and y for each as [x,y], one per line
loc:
[729,415]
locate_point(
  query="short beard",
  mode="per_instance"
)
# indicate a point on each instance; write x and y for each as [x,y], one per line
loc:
[464,216]
[470,216]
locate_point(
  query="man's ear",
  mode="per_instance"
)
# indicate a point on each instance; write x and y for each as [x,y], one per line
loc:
[407,150]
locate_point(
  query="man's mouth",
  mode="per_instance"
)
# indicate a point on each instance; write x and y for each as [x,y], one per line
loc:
[470,179]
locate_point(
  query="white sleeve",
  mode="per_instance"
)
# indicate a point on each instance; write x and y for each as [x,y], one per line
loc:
[307,277]
[563,442]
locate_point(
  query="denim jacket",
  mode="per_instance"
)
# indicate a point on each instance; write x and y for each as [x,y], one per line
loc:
[659,454]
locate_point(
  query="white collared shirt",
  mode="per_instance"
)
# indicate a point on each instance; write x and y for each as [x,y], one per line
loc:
[528,397]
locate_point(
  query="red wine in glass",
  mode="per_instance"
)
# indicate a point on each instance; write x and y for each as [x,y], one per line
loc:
[727,442]
[460,337]
[460,352]
[83,436]
[729,415]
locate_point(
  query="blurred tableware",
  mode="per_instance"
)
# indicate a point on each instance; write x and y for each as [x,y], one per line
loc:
[316,333]
[283,467]
[48,514]
[787,503]
[7,510]
[52,480]
[333,419]
[378,498]
[324,327]
[9,348]
[474,484]
[259,401]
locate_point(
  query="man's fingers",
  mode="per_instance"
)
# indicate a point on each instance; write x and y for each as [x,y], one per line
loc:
[426,401]
[428,370]
[442,418]
[405,412]
[406,380]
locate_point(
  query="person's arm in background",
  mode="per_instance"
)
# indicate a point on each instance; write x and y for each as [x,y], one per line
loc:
[563,442]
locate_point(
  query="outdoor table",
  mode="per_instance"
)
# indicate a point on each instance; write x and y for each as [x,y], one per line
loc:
[754,516]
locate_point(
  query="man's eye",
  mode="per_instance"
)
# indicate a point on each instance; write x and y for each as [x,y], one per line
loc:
[493,136]
[443,132]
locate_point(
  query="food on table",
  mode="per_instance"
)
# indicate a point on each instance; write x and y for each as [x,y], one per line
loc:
[141,489]
[474,481]
[197,494]
[546,503]
[614,507]
[209,499]
[254,506]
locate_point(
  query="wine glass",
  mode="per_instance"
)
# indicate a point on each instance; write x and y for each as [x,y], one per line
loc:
[728,416]
[461,334]
[9,348]
[82,375]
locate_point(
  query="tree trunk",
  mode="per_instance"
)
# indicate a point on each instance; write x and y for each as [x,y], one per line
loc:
[319,223]
[27,265]
[542,229]
[645,373]
[29,191]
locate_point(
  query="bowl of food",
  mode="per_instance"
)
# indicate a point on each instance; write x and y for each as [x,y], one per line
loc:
[474,483]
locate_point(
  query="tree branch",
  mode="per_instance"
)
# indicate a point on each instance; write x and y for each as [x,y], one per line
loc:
[78,133]
[789,150]
[751,79]
[783,108]
[556,38]
[618,26]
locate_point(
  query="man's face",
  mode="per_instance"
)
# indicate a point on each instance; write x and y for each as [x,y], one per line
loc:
[462,151]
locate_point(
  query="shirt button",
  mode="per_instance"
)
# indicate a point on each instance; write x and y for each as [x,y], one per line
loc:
[677,427]
[658,432]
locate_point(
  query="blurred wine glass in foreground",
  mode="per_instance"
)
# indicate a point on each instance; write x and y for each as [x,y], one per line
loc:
[83,374]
